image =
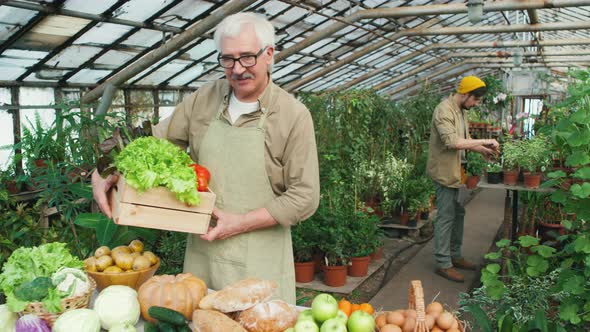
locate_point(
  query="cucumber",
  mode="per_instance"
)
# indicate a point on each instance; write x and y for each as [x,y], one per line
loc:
[167,315]
[166,327]
[150,327]
[184,328]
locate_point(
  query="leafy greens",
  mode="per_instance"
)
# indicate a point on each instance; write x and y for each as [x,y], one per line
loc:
[149,162]
[26,264]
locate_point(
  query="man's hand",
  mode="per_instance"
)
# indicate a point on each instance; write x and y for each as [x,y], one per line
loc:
[228,224]
[492,143]
[100,187]
[487,153]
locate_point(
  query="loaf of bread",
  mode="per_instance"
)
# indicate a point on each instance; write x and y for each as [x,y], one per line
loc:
[273,316]
[214,321]
[240,296]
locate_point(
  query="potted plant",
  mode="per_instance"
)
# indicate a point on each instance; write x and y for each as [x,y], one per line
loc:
[303,246]
[549,225]
[534,158]
[475,165]
[510,157]
[393,185]
[334,247]
[361,231]
[39,144]
[494,172]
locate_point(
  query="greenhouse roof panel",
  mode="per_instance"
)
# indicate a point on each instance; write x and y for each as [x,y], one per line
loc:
[92,41]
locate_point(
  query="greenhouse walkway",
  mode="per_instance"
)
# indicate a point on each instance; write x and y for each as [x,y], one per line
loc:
[483,218]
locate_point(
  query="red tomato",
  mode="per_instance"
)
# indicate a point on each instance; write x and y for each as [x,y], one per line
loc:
[203,176]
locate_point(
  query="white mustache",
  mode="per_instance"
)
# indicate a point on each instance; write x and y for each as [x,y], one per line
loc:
[241,77]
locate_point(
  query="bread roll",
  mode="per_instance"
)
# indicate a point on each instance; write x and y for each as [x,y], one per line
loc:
[240,296]
[273,316]
[214,321]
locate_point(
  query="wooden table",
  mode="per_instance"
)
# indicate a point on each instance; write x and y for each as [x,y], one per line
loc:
[514,190]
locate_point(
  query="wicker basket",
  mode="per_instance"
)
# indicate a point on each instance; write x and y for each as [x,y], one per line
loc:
[416,302]
[69,303]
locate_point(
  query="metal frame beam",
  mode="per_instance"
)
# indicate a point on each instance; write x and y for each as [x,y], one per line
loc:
[26,28]
[55,10]
[421,31]
[116,42]
[398,12]
[178,41]
[68,42]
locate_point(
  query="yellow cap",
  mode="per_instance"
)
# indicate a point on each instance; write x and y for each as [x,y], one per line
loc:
[470,83]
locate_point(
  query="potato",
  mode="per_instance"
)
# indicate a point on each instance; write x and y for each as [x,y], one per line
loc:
[381,320]
[141,263]
[102,251]
[113,269]
[390,328]
[409,324]
[396,318]
[445,320]
[120,249]
[124,261]
[151,256]
[103,262]
[136,246]
[434,307]
[90,264]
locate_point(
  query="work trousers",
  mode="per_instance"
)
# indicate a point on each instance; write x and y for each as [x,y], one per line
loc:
[448,226]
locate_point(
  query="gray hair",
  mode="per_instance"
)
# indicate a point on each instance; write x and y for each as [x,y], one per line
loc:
[231,26]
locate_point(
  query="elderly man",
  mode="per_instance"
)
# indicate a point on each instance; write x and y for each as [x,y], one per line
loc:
[258,143]
[449,139]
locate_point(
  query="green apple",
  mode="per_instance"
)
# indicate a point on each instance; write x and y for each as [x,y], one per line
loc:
[306,325]
[290,330]
[360,321]
[324,307]
[342,316]
[333,325]
[305,314]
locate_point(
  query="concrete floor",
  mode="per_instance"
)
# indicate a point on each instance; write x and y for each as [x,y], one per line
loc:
[483,218]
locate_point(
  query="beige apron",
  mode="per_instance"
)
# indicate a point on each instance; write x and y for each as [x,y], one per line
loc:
[236,161]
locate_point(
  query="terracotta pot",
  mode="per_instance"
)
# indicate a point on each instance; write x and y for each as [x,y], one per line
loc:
[377,254]
[304,272]
[318,260]
[494,177]
[510,178]
[532,180]
[359,266]
[545,228]
[566,184]
[335,275]
[404,218]
[472,181]
[11,187]
[40,163]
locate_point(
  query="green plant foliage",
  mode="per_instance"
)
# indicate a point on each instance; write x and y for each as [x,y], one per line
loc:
[475,164]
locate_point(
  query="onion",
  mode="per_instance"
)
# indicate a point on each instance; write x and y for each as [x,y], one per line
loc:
[31,323]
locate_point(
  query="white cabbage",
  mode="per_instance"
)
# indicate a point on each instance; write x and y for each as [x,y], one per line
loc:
[7,319]
[116,307]
[123,328]
[78,320]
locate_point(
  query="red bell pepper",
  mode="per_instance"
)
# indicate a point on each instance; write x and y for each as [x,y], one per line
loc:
[203,176]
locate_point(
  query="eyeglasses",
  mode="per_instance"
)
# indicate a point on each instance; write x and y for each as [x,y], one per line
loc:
[246,61]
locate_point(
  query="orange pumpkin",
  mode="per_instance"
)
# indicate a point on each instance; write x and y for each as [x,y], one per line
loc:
[182,293]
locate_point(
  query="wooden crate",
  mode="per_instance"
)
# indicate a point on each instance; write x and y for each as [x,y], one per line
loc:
[159,208]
